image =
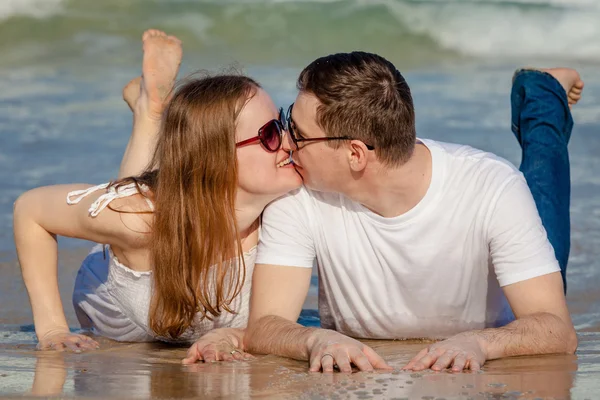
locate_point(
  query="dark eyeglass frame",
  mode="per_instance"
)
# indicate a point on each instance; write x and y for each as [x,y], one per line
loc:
[296,139]
[279,125]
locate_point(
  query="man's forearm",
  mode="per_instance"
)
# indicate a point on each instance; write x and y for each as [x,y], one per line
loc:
[278,336]
[542,333]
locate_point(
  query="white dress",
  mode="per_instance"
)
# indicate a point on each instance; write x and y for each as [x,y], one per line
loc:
[114,301]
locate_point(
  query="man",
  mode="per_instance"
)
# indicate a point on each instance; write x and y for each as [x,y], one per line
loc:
[415,238]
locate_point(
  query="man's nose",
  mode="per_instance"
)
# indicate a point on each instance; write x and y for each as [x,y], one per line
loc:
[287,143]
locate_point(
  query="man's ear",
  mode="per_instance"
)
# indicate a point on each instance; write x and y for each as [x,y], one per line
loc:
[357,155]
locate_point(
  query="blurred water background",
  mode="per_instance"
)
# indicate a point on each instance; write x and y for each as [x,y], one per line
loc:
[63,64]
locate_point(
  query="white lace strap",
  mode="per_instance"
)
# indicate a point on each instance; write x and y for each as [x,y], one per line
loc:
[76,196]
[104,200]
[149,202]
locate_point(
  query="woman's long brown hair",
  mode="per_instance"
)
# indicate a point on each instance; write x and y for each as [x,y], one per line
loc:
[195,242]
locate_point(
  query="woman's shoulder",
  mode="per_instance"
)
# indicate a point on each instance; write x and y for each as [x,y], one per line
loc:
[136,214]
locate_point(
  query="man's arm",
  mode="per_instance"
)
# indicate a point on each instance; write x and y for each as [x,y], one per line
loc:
[280,282]
[278,293]
[543,326]
[528,272]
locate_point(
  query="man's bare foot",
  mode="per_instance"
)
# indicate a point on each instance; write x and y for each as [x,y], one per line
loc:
[131,92]
[162,57]
[569,80]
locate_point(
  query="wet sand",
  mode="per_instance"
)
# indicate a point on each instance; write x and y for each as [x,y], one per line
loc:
[153,370]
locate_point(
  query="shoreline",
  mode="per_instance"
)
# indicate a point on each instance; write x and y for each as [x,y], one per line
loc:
[125,370]
[154,371]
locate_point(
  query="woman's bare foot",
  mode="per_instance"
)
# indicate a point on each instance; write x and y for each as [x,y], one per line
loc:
[569,80]
[162,57]
[147,96]
[131,92]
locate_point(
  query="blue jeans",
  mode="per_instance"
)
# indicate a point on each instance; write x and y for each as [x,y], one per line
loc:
[542,123]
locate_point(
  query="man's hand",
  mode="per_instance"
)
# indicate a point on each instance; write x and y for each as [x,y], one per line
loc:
[222,344]
[462,351]
[328,348]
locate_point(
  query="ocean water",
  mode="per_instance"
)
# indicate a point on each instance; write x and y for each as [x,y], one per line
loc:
[63,64]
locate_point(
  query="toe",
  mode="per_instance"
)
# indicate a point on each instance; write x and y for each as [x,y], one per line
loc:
[152,33]
[174,39]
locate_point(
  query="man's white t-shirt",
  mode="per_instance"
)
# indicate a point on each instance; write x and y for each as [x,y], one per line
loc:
[429,273]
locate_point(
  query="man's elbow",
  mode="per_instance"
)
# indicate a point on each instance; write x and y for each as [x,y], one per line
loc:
[562,337]
[568,337]
[572,341]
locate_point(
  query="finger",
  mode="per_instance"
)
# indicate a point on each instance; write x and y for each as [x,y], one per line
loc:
[343,364]
[191,359]
[209,355]
[57,347]
[192,356]
[248,356]
[444,361]
[428,359]
[91,341]
[225,356]
[361,361]
[87,346]
[315,362]
[474,365]
[375,359]
[342,361]
[459,362]
[416,358]
[327,362]
[72,346]
[238,355]
[84,344]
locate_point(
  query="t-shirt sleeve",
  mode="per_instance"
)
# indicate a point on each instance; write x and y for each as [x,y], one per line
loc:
[519,246]
[285,236]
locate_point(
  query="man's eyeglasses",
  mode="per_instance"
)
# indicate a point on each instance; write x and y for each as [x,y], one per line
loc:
[296,139]
[269,135]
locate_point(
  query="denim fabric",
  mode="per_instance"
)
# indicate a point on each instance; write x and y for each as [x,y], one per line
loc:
[542,123]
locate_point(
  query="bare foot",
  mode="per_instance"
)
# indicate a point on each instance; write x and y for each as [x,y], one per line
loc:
[569,80]
[162,57]
[131,92]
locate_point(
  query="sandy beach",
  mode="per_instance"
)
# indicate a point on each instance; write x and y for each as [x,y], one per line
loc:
[62,120]
[121,370]
[145,370]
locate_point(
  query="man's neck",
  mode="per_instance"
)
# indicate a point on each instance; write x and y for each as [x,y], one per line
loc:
[391,192]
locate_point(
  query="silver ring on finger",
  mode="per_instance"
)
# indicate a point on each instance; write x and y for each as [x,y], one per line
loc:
[325,355]
[235,351]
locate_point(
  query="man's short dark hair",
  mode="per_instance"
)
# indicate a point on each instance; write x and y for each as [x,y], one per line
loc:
[363,96]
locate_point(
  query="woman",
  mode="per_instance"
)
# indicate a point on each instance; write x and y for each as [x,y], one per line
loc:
[180,237]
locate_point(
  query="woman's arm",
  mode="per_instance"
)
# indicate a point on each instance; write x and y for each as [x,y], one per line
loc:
[39,216]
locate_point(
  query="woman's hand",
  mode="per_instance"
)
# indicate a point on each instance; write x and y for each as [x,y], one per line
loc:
[66,341]
[223,344]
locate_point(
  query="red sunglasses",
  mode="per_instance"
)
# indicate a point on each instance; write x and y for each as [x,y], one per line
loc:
[269,135]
